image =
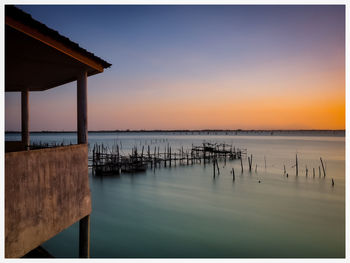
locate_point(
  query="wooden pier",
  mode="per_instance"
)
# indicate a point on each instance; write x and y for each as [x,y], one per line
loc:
[107,161]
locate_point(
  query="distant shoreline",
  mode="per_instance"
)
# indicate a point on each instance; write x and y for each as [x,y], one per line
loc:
[193,131]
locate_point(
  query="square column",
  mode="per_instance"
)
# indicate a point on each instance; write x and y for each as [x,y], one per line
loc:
[84,223]
[84,237]
[25,118]
[82,108]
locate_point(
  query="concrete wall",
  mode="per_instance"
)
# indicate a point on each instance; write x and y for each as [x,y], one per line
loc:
[14,146]
[46,191]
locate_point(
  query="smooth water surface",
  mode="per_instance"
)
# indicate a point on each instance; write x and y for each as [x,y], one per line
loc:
[183,211]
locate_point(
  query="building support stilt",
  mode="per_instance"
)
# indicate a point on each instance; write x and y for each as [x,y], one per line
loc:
[84,223]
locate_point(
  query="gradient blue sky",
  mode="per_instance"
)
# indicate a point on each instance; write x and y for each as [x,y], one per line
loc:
[198,67]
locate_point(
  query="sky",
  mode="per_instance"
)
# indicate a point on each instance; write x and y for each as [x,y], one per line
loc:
[198,67]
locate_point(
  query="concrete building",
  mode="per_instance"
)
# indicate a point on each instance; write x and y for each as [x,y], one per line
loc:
[46,190]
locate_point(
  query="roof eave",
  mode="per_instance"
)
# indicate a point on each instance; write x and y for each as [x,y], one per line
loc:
[32,32]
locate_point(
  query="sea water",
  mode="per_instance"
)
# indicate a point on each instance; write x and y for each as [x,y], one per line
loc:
[184,212]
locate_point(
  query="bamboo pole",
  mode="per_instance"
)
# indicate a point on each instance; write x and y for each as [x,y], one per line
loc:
[169,156]
[214,167]
[324,171]
[217,166]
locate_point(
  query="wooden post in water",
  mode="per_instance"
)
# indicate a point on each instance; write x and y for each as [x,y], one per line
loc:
[160,164]
[224,153]
[204,155]
[319,171]
[250,163]
[324,171]
[284,169]
[182,154]
[214,167]
[169,156]
[306,171]
[233,174]
[332,182]
[241,164]
[142,155]
[256,168]
[165,156]
[154,156]
[296,164]
[313,172]
[217,166]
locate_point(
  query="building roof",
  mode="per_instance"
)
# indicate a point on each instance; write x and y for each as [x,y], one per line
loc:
[41,56]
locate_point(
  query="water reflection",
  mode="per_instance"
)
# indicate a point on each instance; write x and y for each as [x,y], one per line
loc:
[183,211]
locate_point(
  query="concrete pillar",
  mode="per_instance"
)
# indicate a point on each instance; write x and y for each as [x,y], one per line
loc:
[25,118]
[84,223]
[82,108]
[84,237]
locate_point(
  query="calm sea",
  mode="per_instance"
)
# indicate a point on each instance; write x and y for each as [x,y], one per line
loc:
[184,212]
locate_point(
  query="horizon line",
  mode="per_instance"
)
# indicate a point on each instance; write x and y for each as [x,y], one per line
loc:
[183,130]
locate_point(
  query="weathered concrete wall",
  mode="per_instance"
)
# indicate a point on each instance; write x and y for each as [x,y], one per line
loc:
[46,191]
[14,146]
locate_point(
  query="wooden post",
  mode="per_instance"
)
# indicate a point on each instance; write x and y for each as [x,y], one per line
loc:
[233,174]
[324,171]
[170,156]
[25,118]
[165,155]
[142,155]
[296,164]
[313,172]
[216,160]
[82,108]
[154,159]
[249,163]
[241,163]
[84,237]
[214,167]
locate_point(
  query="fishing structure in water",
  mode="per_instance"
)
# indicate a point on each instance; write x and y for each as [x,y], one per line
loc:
[107,161]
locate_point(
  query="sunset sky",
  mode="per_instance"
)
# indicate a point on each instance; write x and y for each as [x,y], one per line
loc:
[198,67]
